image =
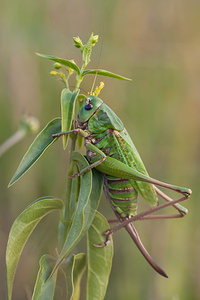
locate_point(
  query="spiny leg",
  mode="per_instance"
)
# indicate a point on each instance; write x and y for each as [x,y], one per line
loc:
[127,224]
[76,130]
[101,157]
[113,221]
[94,165]
[141,216]
[135,237]
[89,146]
[182,210]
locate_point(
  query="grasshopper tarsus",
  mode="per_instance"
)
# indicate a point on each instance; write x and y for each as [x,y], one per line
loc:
[188,193]
[108,233]
[74,175]
[56,135]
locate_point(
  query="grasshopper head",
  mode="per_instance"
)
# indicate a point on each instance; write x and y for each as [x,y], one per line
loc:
[88,108]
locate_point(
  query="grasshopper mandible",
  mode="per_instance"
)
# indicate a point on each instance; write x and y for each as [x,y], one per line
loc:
[111,151]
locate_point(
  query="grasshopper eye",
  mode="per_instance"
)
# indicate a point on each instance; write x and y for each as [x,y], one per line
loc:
[88,105]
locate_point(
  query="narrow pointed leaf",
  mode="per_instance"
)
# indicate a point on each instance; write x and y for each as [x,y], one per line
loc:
[105,73]
[41,143]
[64,62]
[99,259]
[67,108]
[45,288]
[22,229]
[88,202]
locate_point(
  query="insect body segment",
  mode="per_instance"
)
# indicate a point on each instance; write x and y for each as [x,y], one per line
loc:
[121,195]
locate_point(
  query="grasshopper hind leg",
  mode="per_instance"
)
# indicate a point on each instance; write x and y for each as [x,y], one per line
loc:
[135,237]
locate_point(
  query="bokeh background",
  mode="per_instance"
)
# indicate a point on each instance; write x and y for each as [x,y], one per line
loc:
[157,44]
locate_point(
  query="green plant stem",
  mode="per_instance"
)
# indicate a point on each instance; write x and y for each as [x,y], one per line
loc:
[15,138]
[66,213]
[69,180]
[65,220]
[79,79]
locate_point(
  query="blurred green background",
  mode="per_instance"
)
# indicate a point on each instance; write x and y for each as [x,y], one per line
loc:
[157,44]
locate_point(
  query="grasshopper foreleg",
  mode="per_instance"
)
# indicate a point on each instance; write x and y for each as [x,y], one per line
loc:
[100,157]
[94,165]
[77,130]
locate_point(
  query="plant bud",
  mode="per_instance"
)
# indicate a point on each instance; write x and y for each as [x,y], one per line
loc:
[77,42]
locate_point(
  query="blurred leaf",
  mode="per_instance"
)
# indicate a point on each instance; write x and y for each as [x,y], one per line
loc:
[22,229]
[99,259]
[64,62]
[67,108]
[74,268]
[29,124]
[85,208]
[105,73]
[45,288]
[41,143]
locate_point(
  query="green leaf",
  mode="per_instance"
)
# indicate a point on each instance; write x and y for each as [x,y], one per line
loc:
[79,269]
[99,259]
[64,62]
[41,143]
[67,108]
[45,288]
[74,268]
[85,209]
[22,229]
[105,73]
[67,268]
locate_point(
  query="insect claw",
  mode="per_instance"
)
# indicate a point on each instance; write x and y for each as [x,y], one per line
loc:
[74,175]
[100,245]
[188,193]
[108,235]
